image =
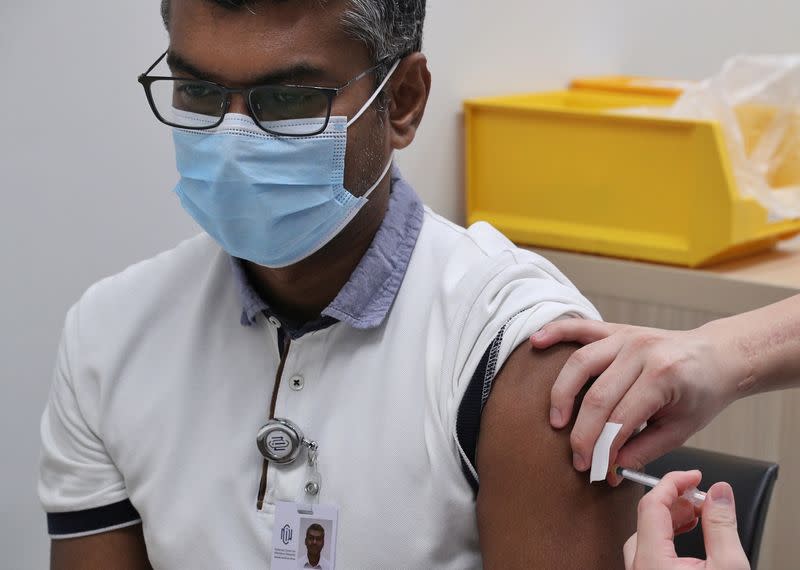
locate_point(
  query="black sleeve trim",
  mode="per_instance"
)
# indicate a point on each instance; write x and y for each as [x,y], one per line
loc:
[92,520]
[470,411]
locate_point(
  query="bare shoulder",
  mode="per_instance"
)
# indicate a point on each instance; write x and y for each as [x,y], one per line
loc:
[534,509]
[122,549]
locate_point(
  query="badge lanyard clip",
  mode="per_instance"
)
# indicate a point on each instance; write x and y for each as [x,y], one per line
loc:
[313,480]
[280,441]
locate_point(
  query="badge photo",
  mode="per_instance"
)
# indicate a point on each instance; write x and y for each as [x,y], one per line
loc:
[304,536]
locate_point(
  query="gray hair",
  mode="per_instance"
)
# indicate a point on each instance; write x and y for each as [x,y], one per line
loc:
[391,29]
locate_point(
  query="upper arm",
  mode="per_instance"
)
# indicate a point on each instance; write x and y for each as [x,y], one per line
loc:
[121,549]
[534,509]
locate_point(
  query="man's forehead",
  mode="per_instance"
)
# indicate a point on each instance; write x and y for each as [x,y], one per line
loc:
[239,45]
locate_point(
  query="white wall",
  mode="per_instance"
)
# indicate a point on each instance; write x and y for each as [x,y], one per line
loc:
[87,192]
[86,176]
[691,38]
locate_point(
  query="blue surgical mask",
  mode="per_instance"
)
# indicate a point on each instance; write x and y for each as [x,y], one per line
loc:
[268,199]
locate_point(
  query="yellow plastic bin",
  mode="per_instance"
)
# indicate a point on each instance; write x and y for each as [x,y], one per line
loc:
[562,170]
[632,85]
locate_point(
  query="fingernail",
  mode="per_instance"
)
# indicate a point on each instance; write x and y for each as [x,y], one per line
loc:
[577,461]
[721,494]
[555,417]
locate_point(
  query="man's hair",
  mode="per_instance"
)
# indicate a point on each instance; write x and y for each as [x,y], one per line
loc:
[316,527]
[391,29]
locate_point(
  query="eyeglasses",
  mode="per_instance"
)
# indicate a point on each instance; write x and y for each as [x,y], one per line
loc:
[197,104]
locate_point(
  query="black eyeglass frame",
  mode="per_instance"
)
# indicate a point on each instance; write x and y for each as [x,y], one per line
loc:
[330,93]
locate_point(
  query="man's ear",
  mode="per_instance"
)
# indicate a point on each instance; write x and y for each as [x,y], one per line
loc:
[408,95]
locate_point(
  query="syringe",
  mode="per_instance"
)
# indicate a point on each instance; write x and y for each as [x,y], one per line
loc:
[692,495]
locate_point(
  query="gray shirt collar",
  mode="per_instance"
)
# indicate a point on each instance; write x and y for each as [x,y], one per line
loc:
[366,298]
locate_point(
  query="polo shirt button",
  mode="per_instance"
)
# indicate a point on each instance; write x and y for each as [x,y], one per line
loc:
[297,382]
[274,322]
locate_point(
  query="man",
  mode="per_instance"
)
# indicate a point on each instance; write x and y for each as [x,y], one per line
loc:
[315,542]
[324,303]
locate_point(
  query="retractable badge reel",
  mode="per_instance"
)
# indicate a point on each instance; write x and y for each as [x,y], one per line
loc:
[281,441]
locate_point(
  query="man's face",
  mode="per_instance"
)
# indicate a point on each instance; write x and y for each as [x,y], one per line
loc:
[315,540]
[297,42]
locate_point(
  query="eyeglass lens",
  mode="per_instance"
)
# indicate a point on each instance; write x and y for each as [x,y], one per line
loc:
[193,103]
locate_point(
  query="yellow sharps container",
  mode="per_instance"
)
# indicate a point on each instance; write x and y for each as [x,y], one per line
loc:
[564,170]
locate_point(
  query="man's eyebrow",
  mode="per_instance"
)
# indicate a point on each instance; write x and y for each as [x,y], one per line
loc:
[292,74]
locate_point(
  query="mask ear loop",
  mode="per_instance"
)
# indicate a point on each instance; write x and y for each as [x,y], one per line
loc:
[366,194]
[377,92]
[357,116]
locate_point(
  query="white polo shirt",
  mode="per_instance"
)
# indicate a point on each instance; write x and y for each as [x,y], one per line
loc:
[159,392]
[321,565]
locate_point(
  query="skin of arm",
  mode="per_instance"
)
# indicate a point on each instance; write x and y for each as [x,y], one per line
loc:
[534,509]
[122,549]
[768,342]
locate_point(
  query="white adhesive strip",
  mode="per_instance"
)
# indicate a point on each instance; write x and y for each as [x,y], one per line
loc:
[602,449]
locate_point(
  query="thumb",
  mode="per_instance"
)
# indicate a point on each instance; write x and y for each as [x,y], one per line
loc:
[629,552]
[723,547]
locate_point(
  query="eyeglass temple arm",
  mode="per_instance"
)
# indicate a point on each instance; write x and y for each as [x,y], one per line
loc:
[363,74]
[152,67]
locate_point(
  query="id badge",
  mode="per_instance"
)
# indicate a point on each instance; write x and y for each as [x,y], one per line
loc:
[304,536]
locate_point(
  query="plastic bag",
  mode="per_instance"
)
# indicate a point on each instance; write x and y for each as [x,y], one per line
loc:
[756,99]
